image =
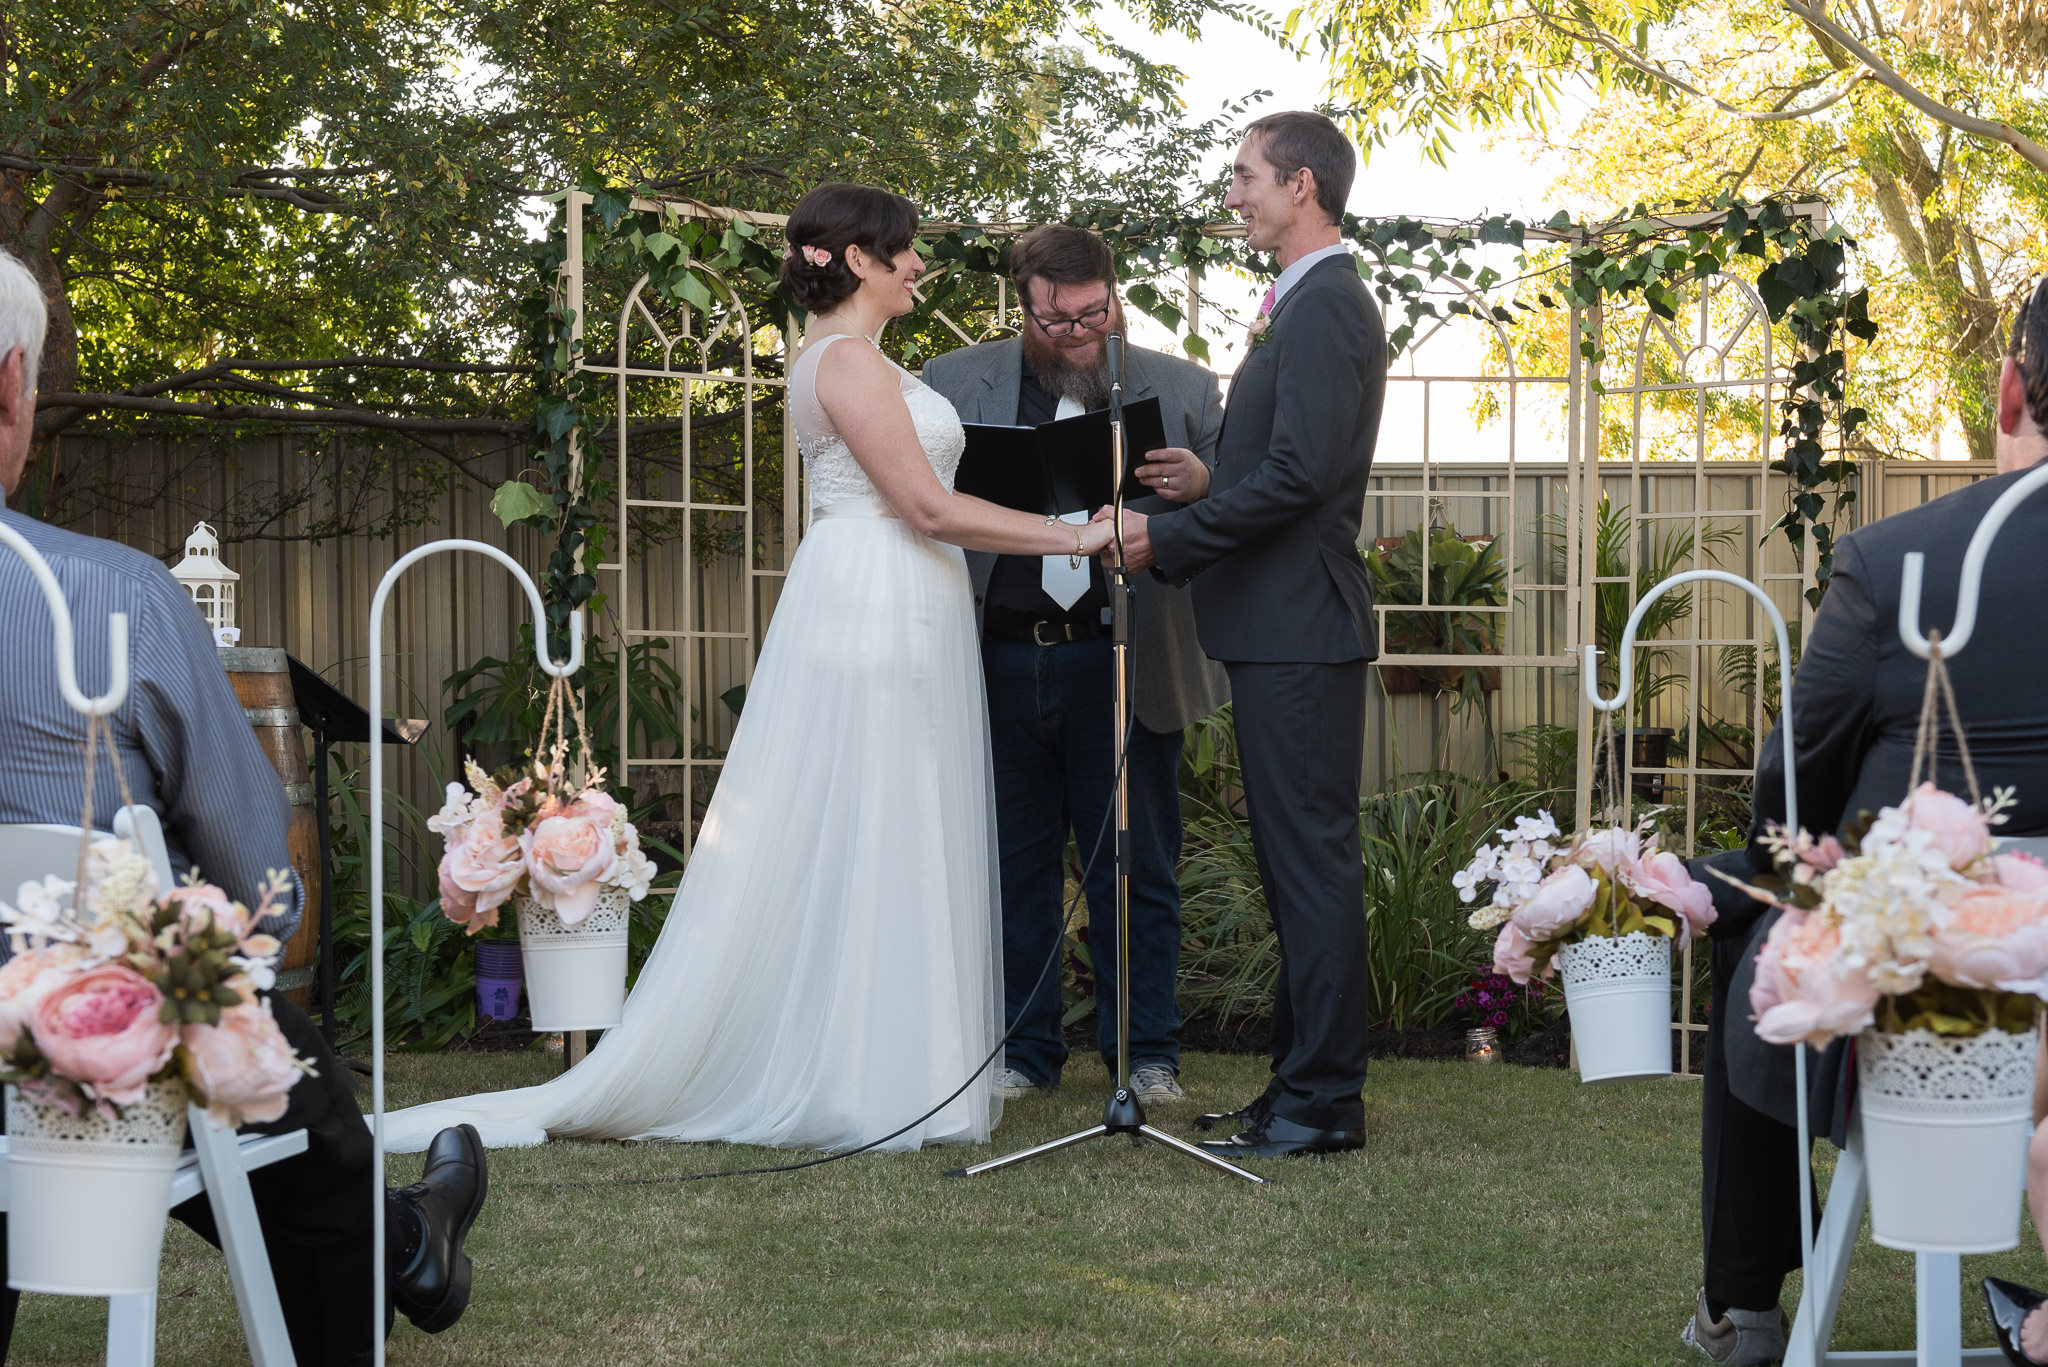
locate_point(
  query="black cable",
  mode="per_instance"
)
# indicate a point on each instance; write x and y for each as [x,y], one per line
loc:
[1058,946]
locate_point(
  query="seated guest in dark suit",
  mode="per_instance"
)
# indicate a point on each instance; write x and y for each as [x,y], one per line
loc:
[188,752]
[1046,656]
[1856,713]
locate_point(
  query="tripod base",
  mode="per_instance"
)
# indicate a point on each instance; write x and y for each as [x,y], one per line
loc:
[1121,1115]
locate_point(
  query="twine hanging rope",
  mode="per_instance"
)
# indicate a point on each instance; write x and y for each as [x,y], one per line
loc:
[1940,696]
[97,726]
[561,702]
[1616,811]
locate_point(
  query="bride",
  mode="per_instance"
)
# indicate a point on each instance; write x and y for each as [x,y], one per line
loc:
[831,967]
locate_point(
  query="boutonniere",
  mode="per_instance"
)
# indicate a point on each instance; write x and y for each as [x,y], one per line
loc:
[1259,334]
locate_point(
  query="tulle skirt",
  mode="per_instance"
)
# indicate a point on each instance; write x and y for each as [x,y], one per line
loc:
[831,967]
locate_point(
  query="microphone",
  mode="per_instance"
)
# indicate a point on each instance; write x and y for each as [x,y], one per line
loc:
[1115,342]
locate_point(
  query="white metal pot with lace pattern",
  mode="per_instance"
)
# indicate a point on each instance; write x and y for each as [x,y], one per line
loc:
[1618,992]
[1945,1124]
[575,975]
[87,1195]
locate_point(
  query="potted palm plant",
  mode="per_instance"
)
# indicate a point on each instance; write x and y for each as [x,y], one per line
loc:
[1459,571]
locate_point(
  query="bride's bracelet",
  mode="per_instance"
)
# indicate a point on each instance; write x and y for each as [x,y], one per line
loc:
[1080,545]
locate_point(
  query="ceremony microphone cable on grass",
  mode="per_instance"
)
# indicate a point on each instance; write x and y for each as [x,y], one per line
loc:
[1058,946]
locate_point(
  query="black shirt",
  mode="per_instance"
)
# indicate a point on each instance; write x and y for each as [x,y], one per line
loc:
[1016,592]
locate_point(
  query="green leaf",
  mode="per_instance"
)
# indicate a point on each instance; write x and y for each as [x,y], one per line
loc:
[516,501]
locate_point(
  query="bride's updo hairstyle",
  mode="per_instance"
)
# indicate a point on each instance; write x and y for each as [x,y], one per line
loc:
[826,221]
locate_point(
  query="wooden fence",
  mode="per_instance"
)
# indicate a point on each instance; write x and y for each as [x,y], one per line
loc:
[313,599]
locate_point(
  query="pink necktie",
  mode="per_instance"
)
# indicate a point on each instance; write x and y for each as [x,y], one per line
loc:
[1266,304]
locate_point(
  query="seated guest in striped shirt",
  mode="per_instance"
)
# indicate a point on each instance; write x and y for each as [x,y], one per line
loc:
[187,751]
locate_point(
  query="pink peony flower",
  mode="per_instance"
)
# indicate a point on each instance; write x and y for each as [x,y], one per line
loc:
[568,857]
[1609,849]
[1959,829]
[25,980]
[243,1068]
[1557,904]
[1995,938]
[1803,990]
[479,872]
[1513,953]
[100,1027]
[2022,872]
[1662,878]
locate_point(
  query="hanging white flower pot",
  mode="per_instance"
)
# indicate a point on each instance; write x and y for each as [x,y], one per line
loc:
[87,1196]
[575,975]
[1945,1125]
[1618,991]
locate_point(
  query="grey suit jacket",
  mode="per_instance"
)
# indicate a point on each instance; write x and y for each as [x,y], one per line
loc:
[1856,712]
[1175,683]
[1275,543]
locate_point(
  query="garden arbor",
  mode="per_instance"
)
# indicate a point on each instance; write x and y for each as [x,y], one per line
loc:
[1626,431]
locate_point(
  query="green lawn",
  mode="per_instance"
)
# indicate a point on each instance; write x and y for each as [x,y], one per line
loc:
[1499,1215]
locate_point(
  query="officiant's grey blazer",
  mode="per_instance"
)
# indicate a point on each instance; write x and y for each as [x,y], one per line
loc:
[1176,684]
[1856,712]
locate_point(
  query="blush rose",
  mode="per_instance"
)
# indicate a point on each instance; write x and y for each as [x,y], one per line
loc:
[100,1028]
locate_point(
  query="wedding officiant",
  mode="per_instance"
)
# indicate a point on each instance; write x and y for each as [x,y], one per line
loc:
[1046,655]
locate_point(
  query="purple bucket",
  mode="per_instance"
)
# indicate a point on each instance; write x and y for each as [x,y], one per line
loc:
[499,975]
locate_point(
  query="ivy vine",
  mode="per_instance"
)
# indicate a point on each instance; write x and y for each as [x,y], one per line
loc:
[1798,273]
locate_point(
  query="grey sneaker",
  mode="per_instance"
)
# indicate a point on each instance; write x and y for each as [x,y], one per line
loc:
[1154,1083]
[1745,1338]
[1011,1084]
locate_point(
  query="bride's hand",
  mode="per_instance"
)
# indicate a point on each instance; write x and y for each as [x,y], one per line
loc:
[1097,533]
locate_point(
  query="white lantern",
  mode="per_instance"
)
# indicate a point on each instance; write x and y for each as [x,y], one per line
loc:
[211,584]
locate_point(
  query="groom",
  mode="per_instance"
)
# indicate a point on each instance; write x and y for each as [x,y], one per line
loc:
[1282,600]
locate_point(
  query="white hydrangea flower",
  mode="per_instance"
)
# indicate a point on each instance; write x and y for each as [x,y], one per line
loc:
[456,812]
[40,913]
[261,973]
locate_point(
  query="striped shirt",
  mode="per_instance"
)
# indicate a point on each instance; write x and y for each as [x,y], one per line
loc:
[183,741]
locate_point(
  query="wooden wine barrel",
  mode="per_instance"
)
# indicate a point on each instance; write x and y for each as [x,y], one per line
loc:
[264,686]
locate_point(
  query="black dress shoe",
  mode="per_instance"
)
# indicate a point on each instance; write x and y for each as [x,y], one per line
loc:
[1279,1137]
[433,1289]
[1245,1118]
[2010,1305]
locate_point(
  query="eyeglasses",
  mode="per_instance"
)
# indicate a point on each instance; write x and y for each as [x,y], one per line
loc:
[1061,327]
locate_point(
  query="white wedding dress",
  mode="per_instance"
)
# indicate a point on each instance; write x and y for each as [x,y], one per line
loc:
[832,965]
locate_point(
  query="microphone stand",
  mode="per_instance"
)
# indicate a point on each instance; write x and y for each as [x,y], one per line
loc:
[1122,1113]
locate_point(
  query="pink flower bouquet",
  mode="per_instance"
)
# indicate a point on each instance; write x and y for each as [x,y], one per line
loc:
[109,992]
[536,836]
[1912,922]
[1548,892]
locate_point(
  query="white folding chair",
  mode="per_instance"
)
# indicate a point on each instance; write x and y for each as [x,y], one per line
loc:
[220,1162]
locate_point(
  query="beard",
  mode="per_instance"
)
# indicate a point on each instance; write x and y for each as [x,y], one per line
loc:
[1064,376]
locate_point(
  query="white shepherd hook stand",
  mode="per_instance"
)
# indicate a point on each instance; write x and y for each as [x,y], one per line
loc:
[553,670]
[1626,653]
[1937,1277]
[222,1161]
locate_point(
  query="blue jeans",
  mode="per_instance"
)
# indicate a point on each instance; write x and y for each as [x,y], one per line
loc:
[1053,731]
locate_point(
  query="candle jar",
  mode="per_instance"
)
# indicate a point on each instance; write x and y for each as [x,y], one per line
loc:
[1482,1045]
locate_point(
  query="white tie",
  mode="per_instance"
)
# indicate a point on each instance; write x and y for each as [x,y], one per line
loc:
[1062,581]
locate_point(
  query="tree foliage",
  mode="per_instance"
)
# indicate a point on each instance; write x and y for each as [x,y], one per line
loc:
[320,212]
[1920,124]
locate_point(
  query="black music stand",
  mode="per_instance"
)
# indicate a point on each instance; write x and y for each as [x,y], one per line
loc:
[1123,1113]
[331,715]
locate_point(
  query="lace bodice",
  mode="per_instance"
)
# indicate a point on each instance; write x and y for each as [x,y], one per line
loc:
[835,476]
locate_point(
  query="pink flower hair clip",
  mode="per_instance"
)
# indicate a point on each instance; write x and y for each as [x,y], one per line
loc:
[817,256]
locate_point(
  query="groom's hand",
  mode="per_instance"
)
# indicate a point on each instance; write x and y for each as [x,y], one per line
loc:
[1137,543]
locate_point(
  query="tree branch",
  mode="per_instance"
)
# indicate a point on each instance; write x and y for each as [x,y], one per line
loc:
[1623,54]
[240,412]
[2030,151]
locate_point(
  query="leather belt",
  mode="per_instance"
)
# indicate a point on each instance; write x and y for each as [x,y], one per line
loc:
[1043,633]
